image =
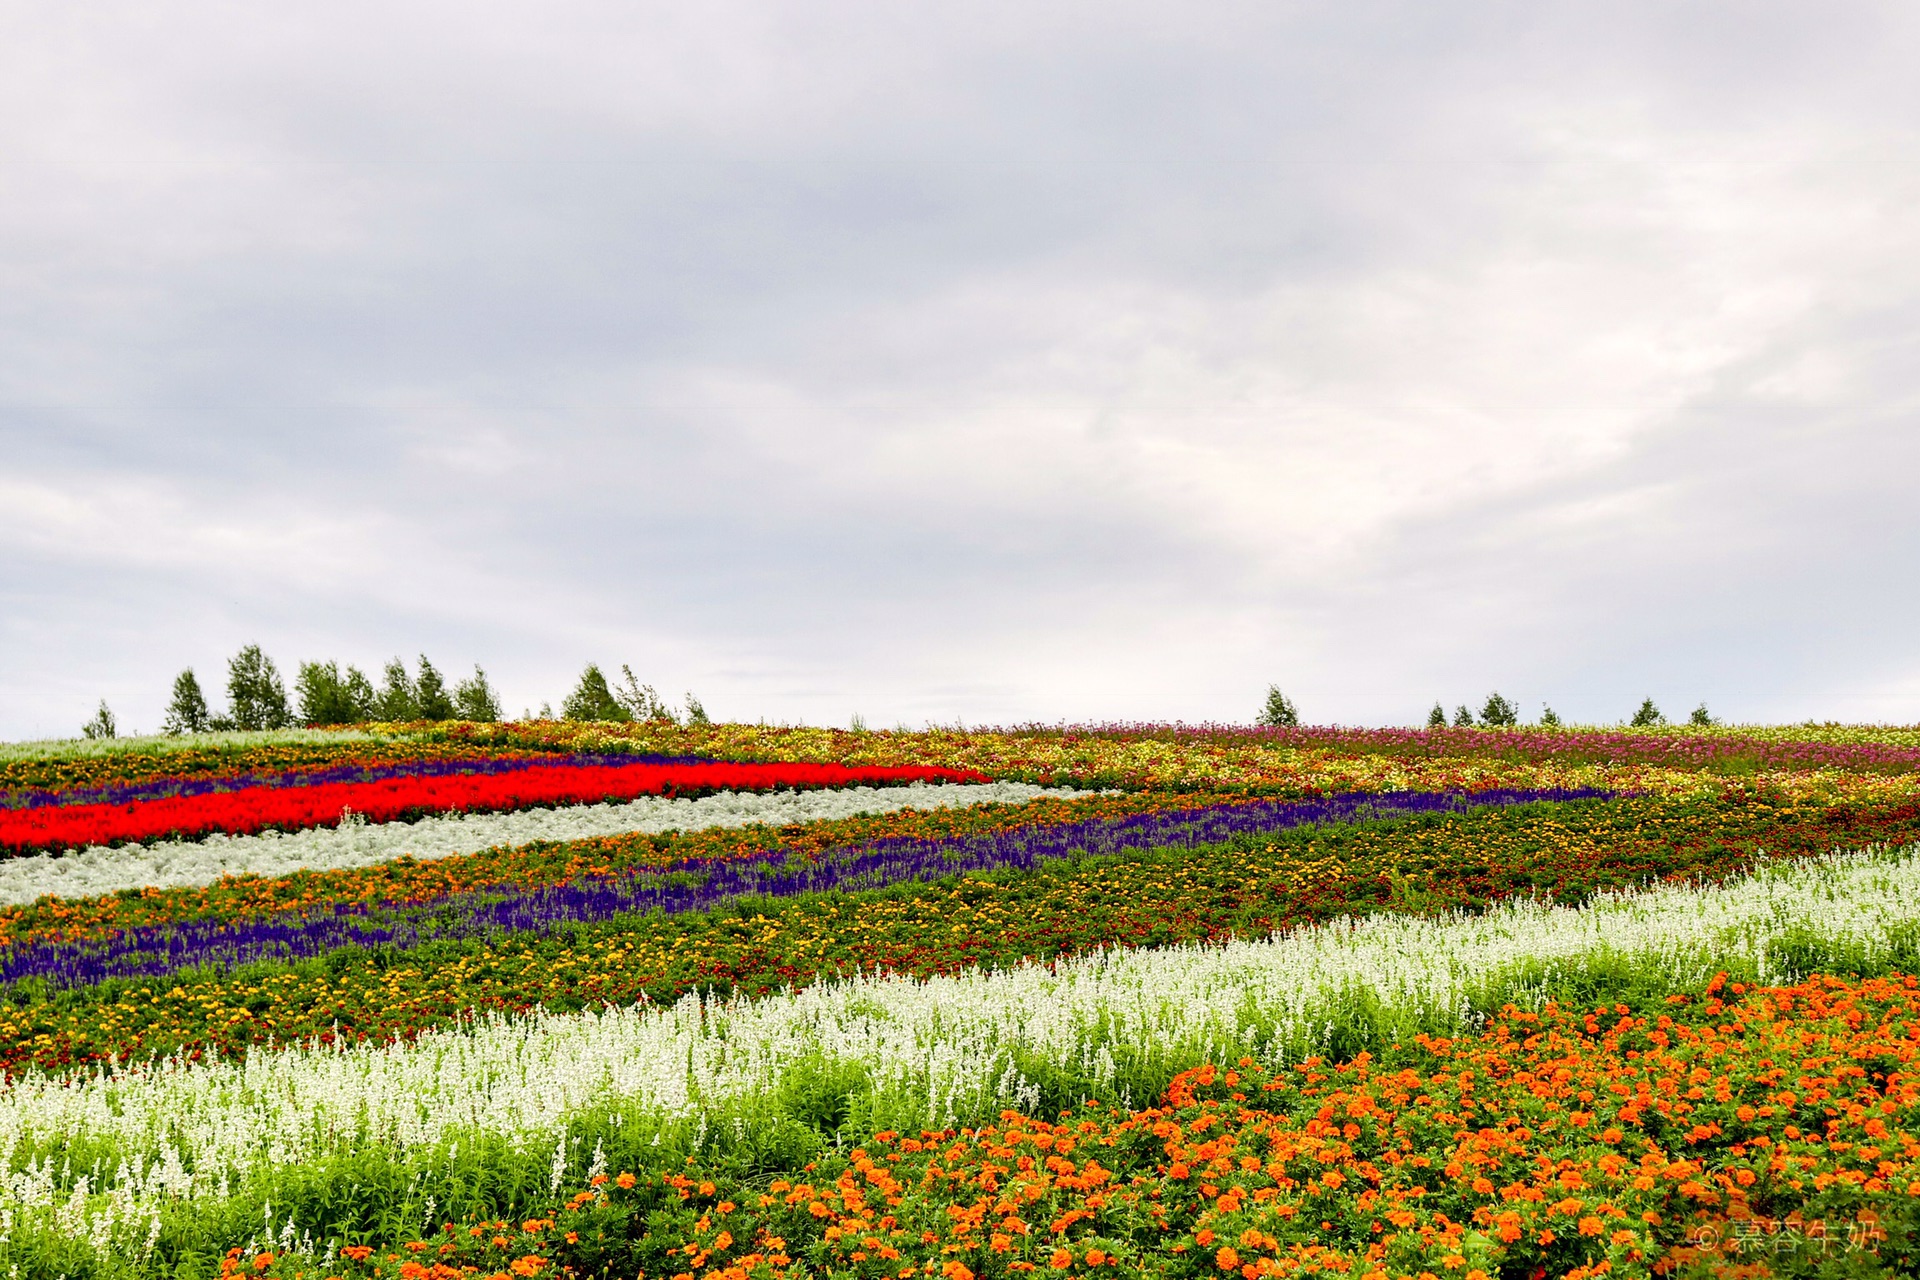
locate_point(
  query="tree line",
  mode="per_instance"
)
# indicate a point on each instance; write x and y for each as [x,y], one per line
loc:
[325,693]
[1279,712]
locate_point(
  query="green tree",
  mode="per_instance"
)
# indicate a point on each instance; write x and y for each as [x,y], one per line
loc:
[395,702]
[1549,719]
[591,699]
[696,714]
[101,726]
[326,698]
[1647,716]
[1701,717]
[257,697]
[360,693]
[430,693]
[640,701]
[187,713]
[475,699]
[1498,713]
[1279,711]
[1437,718]
[1462,717]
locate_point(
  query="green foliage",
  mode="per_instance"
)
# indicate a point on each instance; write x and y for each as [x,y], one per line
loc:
[327,697]
[1462,717]
[1648,716]
[1279,711]
[696,714]
[474,699]
[1549,719]
[101,726]
[591,699]
[1701,717]
[430,693]
[396,700]
[1499,713]
[187,713]
[1437,718]
[640,701]
[257,697]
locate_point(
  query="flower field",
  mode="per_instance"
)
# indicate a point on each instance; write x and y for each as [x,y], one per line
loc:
[646,1000]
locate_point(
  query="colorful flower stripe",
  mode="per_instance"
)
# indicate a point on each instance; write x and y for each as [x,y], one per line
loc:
[1419,865]
[296,808]
[350,770]
[1736,1134]
[161,950]
[713,828]
[154,869]
[197,757]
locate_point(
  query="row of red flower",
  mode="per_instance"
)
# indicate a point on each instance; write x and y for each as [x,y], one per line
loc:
[390,799]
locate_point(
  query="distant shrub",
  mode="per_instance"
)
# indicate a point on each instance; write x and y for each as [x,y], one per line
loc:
[257,698]
[1647,716]
[396,700]
[187,712]
[1701,718]
[1279,711]
[1462,717]
[1437,718]
[1548,718]
[430,696]
[474,698]
[591,699]
[1498,713]
[101,726]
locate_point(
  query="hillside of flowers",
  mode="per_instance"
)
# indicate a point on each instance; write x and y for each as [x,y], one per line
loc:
[449,999]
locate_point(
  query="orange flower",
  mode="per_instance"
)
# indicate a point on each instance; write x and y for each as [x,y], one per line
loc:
[1227,1259]
[1061,1259]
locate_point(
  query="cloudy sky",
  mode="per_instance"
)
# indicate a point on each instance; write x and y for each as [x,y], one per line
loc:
[994,362]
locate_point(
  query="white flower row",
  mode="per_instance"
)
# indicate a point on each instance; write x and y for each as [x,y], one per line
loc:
[935,1050]
[173,864]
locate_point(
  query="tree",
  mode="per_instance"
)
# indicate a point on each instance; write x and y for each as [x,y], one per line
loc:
[258,699]
[101,726]
[328,698]
[187,713]
[395,702]
[1437,718]
[1499,713]
[640,701]
[1647,716]
[591,699]
[1462,717]
[474,698]
[696,714]
[430,693]
[359,692]
[1701,717]
[1548,718]
[1279,711]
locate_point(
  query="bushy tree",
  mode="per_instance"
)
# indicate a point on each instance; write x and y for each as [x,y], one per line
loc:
[1279,711]
[474,698]
[101,726]
[1549,719]
[1701,717]
[591,699]
[395,701]
[696,714]
[327,697]
[187,712]
[1437,718]
[640,701]
[430,693]
[1462,717]
[257,698]
[1499,713]
[1647,716]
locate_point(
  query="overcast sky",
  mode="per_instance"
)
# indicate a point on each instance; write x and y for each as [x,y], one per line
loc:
[994,362]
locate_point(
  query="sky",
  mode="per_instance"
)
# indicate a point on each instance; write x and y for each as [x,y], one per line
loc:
[982,362]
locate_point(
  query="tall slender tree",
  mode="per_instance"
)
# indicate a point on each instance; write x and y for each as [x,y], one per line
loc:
[254,690]
[430,693]
[187,712]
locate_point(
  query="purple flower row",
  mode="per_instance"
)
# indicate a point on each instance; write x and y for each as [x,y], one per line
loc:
[357,771]
[157,950]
